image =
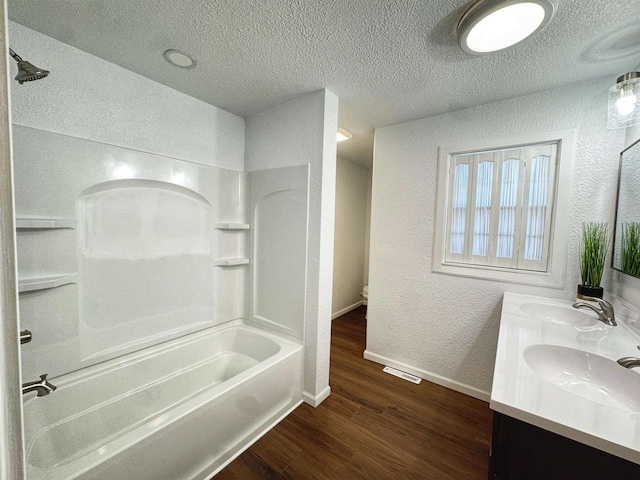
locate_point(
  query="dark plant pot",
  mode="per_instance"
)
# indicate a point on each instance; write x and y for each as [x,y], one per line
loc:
[586,291]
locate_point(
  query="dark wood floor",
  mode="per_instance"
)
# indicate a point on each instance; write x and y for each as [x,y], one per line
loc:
[373,426]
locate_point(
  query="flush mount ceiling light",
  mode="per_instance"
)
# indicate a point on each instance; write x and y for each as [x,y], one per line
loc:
[343,135]
[624,105]
[492,25]
[180,59]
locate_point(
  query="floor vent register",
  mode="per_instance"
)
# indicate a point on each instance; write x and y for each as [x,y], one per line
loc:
[401,374]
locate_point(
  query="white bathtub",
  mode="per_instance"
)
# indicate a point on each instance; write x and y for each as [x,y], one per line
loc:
[179,410]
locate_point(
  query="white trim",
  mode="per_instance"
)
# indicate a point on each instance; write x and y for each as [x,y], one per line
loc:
[429,376]
[315,400]
[346,309]
[12,450]
[254,440]
[555,277]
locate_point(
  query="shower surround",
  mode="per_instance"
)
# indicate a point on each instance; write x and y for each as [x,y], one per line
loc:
[166,299]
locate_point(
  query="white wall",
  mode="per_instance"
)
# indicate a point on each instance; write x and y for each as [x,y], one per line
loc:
[87,97]
[352,182]
[446,325]
[367,230]
[301,132]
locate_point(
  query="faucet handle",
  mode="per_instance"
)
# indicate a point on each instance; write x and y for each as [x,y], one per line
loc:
[25,336]
[606,306]
[602,302]
[43,377]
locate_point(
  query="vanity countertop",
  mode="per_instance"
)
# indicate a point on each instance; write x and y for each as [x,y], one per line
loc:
[605,421]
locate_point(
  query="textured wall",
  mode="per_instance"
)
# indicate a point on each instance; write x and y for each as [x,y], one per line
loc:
[87,97]
[448,325]
[352,182]
[296,133]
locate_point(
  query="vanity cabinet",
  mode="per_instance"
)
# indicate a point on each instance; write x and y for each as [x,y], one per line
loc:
[520,451]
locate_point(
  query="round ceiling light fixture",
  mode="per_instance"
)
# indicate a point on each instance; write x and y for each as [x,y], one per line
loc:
[180,58]
[492,25]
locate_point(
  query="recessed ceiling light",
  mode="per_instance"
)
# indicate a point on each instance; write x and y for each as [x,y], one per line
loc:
[180,59]
[492,25]
[343,135]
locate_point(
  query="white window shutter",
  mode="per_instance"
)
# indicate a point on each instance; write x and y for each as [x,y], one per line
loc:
[500,206]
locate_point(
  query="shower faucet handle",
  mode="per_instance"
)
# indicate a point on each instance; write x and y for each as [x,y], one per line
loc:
[25,336]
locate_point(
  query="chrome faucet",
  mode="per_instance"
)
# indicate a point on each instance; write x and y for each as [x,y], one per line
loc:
[43,387]
[605,312]
[630,362]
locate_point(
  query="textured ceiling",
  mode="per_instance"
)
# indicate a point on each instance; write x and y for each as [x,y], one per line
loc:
[388,61]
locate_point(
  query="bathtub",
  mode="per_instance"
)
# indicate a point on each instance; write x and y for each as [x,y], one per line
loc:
[179,410]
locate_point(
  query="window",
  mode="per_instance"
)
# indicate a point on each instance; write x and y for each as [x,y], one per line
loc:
[498,209]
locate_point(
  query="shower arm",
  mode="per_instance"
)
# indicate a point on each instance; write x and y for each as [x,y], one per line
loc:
[15,56]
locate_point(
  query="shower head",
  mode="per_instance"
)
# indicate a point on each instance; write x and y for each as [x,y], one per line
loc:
[27,72]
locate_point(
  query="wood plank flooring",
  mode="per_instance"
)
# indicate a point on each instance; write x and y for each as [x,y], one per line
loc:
[373,426]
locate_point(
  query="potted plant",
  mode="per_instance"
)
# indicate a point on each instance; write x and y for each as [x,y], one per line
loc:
[593,252]
[630,251]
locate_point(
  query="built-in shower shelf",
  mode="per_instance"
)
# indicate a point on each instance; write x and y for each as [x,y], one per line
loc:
[230,262]
[44,223]
[30,284]
[232,226]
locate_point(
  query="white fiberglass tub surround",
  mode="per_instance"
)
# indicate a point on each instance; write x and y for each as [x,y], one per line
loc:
[179,410]
[133,271]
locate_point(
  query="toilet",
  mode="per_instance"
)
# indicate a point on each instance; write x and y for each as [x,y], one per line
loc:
[365,297]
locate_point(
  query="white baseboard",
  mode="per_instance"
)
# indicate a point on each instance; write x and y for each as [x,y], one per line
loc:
[346,310]
[431,377]
[315,400]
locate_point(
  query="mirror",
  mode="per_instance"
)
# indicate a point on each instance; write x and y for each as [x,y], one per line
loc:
[626,245]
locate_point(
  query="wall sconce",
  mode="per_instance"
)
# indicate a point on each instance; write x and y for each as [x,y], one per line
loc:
[624,107]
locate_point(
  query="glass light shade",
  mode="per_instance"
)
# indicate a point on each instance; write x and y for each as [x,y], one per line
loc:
[492,25]
[505,27]
[624,102]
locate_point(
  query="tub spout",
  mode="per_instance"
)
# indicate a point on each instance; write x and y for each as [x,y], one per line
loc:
[43,387]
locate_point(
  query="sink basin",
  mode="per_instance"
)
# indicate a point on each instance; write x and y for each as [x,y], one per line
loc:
[556,314]
[586,375]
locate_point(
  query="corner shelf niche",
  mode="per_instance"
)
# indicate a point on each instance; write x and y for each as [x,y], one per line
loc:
[43,223]
[232,226]
[44,282]
[230,262]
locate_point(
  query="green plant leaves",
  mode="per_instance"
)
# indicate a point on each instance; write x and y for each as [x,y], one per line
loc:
[593,252]
[630,251]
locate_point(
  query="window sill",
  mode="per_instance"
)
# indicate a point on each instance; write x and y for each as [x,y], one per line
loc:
[522,277]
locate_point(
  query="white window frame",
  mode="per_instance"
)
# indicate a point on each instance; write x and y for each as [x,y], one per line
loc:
[554,277]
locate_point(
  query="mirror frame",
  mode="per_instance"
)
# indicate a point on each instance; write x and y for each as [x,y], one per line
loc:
[615,219]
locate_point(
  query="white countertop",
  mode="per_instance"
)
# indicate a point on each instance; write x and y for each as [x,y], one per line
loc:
[521,393]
